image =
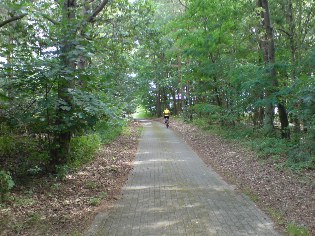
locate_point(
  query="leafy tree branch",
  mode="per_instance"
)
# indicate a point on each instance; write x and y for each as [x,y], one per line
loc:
[97,10]
[14,18]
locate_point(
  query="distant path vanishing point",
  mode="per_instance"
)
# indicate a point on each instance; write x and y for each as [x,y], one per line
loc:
[172,192]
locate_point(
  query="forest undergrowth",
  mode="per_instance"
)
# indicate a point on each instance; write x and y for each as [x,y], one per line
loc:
[67,206]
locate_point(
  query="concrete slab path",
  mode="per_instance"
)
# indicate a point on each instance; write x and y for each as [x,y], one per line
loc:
[172,192]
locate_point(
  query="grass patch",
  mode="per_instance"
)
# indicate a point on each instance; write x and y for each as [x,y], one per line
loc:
[277,216]
[24,201]
[34,221]
[55,186]
[91,185]
[254,197]
[76,233]
[34,218]
[95,201]
[296,230]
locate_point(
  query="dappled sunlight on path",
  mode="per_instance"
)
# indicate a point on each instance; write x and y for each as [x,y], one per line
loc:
[172,192]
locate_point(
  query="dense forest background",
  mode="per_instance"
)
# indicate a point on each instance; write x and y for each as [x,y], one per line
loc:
[72,71]
[243,67]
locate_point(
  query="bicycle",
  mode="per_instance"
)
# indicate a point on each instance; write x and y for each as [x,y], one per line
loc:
[167,122]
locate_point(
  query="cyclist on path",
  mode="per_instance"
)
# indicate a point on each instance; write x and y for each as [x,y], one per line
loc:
[166,114]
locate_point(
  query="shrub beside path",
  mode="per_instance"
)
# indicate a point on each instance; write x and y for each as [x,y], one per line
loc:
[172,192]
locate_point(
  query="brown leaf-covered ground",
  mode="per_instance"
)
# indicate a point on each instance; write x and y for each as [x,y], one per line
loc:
[289,198]
[50,207]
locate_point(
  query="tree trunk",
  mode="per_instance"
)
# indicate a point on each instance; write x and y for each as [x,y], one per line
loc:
[269,57]
[179,103]
[283,116]
[189,101]
[63,136]
[174,102]
[293,47]
[188,94]
[182,86]
[258,117]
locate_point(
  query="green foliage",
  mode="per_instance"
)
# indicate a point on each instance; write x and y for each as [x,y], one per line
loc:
[206,109]
[206,114]
[23,156]
[202,123]
[95,201]
[299,159]
[109,130]
[91,185]
[287,154]
[142,113]
[61,173]
[269,147]
[89,109]
[83,149]
[216,65]
[6,184]
[56,186]
[25,201]
[61,75]
[6,145]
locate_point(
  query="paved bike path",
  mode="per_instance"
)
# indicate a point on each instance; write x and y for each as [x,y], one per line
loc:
[172,192]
